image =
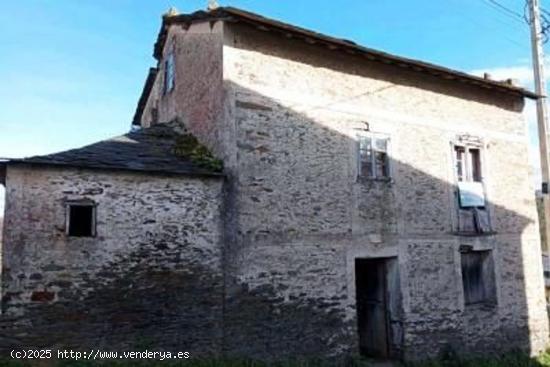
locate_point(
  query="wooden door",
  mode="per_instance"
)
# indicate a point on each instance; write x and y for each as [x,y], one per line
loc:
[372,307]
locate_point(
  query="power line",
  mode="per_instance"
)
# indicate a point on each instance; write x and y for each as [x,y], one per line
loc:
[507,9]
[504,37]
[544,16]
[524,18]
[519,20]
[520,26]
[544,21]
[512,14]
[483,24]
[504,10]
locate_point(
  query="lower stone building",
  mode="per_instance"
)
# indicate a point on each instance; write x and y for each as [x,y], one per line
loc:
[367,204]
[125,249]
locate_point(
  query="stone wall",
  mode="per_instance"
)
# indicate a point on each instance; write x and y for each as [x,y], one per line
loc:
[284,115]
[151,277]
[197,96]
[301,216]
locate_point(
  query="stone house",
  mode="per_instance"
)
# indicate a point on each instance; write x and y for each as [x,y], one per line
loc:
[368,204]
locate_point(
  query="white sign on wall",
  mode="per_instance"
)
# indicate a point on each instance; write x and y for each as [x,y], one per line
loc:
[471,194]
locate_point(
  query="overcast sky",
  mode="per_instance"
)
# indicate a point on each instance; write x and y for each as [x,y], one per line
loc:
[72,71]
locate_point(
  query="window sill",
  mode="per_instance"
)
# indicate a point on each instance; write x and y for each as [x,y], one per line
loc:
[374,179]
[481,306]
[473,234]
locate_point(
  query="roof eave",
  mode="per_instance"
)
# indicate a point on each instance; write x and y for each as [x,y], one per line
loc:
[416,65]
[195,173]
[3,170]
[147,87]
[234,14]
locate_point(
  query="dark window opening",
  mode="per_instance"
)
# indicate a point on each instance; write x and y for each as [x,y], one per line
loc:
[468,164]
[154,115]
[478,277]
[475,163]
[81,220]
[381,158]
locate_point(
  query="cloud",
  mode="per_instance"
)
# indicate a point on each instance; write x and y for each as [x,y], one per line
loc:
[523,73]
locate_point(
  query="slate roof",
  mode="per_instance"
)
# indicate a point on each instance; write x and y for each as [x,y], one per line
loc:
[147,150]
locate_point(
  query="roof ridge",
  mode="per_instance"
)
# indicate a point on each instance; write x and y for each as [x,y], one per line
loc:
[238,14]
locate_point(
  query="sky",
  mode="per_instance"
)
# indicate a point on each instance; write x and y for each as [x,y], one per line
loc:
[72,71]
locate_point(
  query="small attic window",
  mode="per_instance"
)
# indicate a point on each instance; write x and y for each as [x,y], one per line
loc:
[169,72]
[81,219]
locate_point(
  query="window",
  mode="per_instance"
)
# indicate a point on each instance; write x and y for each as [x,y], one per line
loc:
[169,73]
[467,164]
[154,115]
[472,214]
[478,277]
[467,160]
[81,219]
[373,156]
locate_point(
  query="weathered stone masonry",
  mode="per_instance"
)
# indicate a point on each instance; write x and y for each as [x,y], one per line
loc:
[266,267]
[151,277]
[299,217]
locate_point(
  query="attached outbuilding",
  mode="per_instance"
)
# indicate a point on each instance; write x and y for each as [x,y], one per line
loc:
[121,238]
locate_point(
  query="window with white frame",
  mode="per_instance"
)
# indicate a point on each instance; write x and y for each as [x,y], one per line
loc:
[472,214]
[469,176]
[169,72]
[373,157]
[467,163]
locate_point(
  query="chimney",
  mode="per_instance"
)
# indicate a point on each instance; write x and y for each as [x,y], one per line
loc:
[172,12]
[513,82]
[212,5]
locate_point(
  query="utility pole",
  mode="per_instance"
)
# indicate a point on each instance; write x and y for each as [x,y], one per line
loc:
[542,111]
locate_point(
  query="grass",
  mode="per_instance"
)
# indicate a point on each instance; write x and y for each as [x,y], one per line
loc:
[510,360]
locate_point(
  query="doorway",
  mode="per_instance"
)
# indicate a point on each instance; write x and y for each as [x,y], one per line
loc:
[379,315]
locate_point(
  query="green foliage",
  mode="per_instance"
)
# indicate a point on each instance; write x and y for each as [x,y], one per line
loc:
[12,363]
[510,360]
[188,146]
[143,343]
[182,363]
